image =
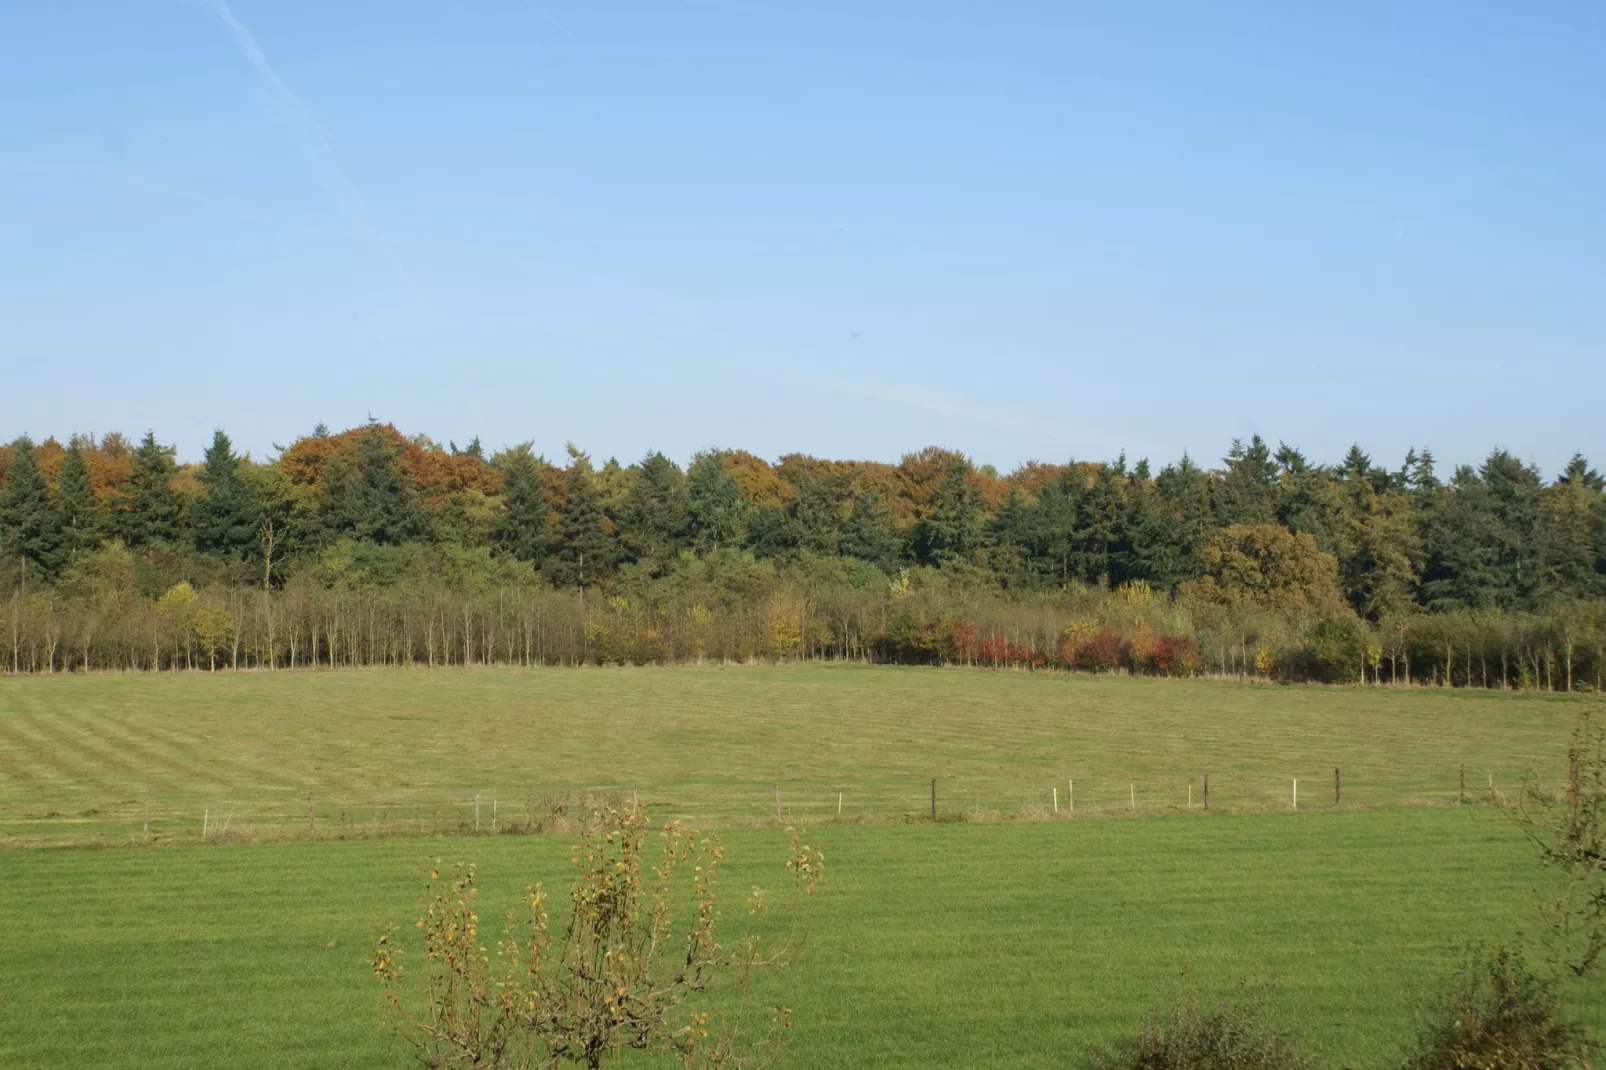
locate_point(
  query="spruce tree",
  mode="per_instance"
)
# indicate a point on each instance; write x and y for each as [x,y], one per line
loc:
[1246,491]
[950,534]
[75,504]
[868,534]
[716,514]
[655,513]
[383,506]
[224,520]
[146,510]
[585,548]
[30,527]
[521,529]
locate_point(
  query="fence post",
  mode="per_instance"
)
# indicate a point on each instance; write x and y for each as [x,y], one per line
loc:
[1296,793]
[1056,800]
[147,821]
[1132,796]
[206,822]
[839,804]
[1207,792]
[1070,795]
[493,817]
[312,819]
[476,811]
[1337,787]
[777,802]
[933,798]
[1462,797]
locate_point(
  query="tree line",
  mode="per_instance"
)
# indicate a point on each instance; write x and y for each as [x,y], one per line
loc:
[370,547]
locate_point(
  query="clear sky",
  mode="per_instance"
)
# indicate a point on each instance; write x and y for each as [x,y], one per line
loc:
[1043,231]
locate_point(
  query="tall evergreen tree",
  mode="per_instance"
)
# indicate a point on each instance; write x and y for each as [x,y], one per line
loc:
[868,534]
[1575,516]
[75,503]
[1174,527]
[655,513]
[521,529]
[716,513]
[585,548]
[372,499]
[1100,538]
[147,510]
[224,520]
[951,532]
[1515,494]
[30,527]
[1460,543]
[1245,493]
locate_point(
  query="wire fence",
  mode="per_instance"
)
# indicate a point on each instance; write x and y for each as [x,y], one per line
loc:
[505,810]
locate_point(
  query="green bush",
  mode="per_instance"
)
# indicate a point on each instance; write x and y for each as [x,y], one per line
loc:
[1497,1015]
[1227,1034]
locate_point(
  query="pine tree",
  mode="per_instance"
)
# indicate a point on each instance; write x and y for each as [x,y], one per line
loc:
[951,532]
[1575,516]
[75,504]
[383,505]
[30,527]
[585,547]
[1245,492]
[224,520]
[1175,526]
[868,534]
[655,513]
[716,513]
[521,529]
[146,510]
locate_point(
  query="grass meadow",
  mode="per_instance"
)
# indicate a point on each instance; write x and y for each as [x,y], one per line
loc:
[967,945]
[399,751]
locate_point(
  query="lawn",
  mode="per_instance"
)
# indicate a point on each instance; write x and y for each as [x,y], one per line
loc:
[401,751]
[1010,945]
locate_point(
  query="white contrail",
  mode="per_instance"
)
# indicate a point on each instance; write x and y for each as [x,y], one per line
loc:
[310,137]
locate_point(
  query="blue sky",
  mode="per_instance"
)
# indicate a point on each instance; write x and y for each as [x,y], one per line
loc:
[852,229]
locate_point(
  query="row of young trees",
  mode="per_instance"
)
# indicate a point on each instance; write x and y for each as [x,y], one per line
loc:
[116,556]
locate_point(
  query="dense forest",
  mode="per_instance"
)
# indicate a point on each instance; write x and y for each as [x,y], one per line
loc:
[369,547]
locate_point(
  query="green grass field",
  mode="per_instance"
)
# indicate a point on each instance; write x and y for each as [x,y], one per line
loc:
[407,751]
[955,945]
[1006,943]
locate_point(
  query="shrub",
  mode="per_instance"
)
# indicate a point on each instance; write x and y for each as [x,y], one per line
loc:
[1497,1015]
[1228,1034]
[622,975]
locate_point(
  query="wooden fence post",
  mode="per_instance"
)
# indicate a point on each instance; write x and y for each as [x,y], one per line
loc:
[934,798]
[1207,792]
[1462,797]
[147,821]
[312,819]
[1338,793]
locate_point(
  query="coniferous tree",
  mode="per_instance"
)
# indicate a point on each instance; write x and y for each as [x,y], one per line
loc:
[75,504]
[147,510]
[655,513]
[584,553]
[1575,514]
[381,505]
[716,514]
[30,527]
[521,529]
[951,532]
[224,520]
[868,534]
[1175,526]
[1245,494]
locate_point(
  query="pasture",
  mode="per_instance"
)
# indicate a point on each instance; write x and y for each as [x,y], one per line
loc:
[935,945]
[82,758]
[1010,942]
